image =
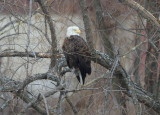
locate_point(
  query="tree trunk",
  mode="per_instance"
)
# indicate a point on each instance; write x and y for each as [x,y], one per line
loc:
[152,60]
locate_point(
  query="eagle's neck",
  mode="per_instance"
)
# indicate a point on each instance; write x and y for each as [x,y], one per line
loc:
[73,36]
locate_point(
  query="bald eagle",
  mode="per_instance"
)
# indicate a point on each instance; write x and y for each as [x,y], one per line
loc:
[77,53]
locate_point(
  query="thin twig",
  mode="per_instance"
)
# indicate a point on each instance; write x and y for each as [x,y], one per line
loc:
[72,106]
[45,102]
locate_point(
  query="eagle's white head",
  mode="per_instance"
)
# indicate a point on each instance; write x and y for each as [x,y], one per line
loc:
[73,30]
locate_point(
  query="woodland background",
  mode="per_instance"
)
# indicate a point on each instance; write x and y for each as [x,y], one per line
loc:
[123,36]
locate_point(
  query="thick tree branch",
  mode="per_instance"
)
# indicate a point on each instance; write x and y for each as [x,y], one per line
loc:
[102,27]
[145,13]
[38,77]
[146,98]
[86,22]
[16,87]
[142,95]
[24,54]
[26,98]
[8,84]
[107,62]
[52,30]
[8,24]
[40,97]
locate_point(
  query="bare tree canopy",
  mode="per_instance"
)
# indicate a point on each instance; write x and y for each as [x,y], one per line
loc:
[123,38]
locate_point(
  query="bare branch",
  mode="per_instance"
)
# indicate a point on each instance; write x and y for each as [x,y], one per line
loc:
[8,24]
[101,26]
[45,102]
[86,22]
[59,104]
[142,96]
[142,11]
[7,83]
[24,54]
[5,104]
[72,106]
[40,97]
[26,98]
[107,62]
[52,30]
[38,77]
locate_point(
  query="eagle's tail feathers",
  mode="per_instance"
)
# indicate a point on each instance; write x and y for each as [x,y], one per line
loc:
[79,76]
[81,80]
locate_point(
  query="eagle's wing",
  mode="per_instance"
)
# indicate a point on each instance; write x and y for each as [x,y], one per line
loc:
[68,50]
[82,53]
[77,54]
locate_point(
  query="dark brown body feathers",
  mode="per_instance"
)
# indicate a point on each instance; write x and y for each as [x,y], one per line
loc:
[77,54]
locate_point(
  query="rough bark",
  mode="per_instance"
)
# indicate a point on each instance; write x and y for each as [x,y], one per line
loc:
[101,28]
[152,60]
[145,13]
[86,22]
[9,85]
[52,30]
[104,60]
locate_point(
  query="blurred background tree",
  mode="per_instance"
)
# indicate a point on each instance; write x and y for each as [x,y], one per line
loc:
[124,40]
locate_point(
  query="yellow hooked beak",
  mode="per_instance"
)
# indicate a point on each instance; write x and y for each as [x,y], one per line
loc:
[78,31]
